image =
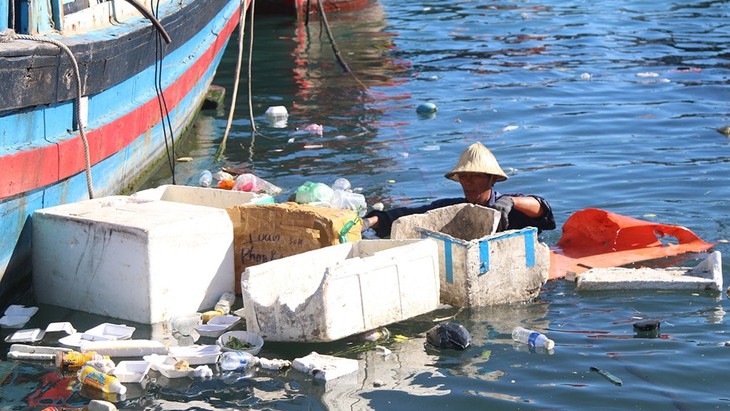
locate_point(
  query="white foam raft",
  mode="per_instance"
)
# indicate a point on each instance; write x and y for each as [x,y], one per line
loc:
[705,276]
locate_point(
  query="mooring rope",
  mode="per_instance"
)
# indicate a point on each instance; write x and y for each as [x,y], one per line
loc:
[335,49]
[237,76]
[10,35]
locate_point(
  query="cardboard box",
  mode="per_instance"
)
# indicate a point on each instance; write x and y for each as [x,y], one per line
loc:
[267,232]
[142,261]
[478,266]
[333,292]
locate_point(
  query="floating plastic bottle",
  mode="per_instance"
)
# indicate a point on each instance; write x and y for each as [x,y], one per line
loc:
[532,338]
[206,179]
[236,360]
[104,382]
[75,360]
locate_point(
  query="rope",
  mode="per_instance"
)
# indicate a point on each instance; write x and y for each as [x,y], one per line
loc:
[9,34]
[335,49]
[237,76]
[162,102]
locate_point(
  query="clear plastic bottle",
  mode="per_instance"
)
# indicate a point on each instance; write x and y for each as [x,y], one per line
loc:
[225,303]
[104,382]
[206,179]
[532,338]
[236,360]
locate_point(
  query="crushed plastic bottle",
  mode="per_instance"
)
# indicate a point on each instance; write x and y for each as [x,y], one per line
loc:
[532,338]
[206,179]
[253,184]
[75,360]
[237,360]
[225,303]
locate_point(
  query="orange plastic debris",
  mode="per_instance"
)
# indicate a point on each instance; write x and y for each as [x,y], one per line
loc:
[594,238]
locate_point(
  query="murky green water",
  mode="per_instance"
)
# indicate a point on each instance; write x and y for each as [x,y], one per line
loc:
[612,105]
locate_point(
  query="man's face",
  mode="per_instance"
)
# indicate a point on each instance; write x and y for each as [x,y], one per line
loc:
[477,187]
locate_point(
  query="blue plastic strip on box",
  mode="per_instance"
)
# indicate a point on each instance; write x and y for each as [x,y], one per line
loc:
[483,257]
[448,262]
[527,233]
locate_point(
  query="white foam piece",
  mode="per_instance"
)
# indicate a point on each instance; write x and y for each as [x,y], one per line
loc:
[705,276]
[124,348]
[325,367]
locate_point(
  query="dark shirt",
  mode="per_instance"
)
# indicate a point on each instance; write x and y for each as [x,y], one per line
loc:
[517,219]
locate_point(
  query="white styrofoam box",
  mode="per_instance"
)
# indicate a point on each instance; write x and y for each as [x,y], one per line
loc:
[478,266]
[142,261]
[340,290]
[208,197]
[706,276]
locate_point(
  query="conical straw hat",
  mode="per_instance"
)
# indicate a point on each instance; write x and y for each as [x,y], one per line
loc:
[477,159]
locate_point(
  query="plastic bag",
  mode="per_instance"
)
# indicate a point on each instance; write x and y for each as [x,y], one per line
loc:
[253,184]
[310,192]
[449,335]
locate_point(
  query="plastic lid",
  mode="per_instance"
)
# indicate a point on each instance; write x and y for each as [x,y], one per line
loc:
[549,344]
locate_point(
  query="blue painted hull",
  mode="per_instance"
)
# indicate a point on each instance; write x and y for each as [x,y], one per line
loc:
[124,126]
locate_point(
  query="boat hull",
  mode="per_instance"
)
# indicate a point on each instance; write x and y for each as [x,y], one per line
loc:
[43,157]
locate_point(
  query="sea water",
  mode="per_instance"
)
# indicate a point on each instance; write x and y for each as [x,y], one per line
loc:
[611,104]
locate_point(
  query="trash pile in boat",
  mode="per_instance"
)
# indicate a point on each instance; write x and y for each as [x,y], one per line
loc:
[175,257]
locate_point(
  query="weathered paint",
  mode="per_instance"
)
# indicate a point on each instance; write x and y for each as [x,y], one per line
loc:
[4,12]
[124,139]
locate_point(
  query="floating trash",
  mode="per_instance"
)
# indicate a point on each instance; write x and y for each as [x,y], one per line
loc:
[426,108]
[314,129]
[724,130]
[607,375]
[647,74]
[510,128]
[585,76]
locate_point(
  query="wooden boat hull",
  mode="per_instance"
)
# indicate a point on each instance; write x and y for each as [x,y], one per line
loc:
[43,156]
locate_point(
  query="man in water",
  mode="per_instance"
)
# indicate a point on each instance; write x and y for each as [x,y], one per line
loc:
[477,171]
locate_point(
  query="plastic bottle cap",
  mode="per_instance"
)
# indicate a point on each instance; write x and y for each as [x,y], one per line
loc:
[117,387]
[549,344]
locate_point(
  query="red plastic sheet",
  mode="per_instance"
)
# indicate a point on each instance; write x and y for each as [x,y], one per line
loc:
[594,238]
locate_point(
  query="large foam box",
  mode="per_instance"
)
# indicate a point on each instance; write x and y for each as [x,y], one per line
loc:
[266,232]
[209,197]
[478,266]
[132,259]
[337,291]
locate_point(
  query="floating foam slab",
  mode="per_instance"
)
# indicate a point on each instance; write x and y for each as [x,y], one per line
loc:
[340,290]
[705,276]
[124,348]
[325,367]
[479,266]
[125,258]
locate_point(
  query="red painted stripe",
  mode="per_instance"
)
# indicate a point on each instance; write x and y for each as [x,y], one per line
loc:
[35,168]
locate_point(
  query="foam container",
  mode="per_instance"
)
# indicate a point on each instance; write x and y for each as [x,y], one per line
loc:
[142,261]
[341,290]
[477,265]
[208,197]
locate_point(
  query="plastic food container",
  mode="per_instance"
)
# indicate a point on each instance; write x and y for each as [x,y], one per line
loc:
[245,336]
[108,331]
[196,354]
[131,371]
[217,325]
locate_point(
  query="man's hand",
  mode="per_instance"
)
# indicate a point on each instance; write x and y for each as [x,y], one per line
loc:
[369,222]
[504,206]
